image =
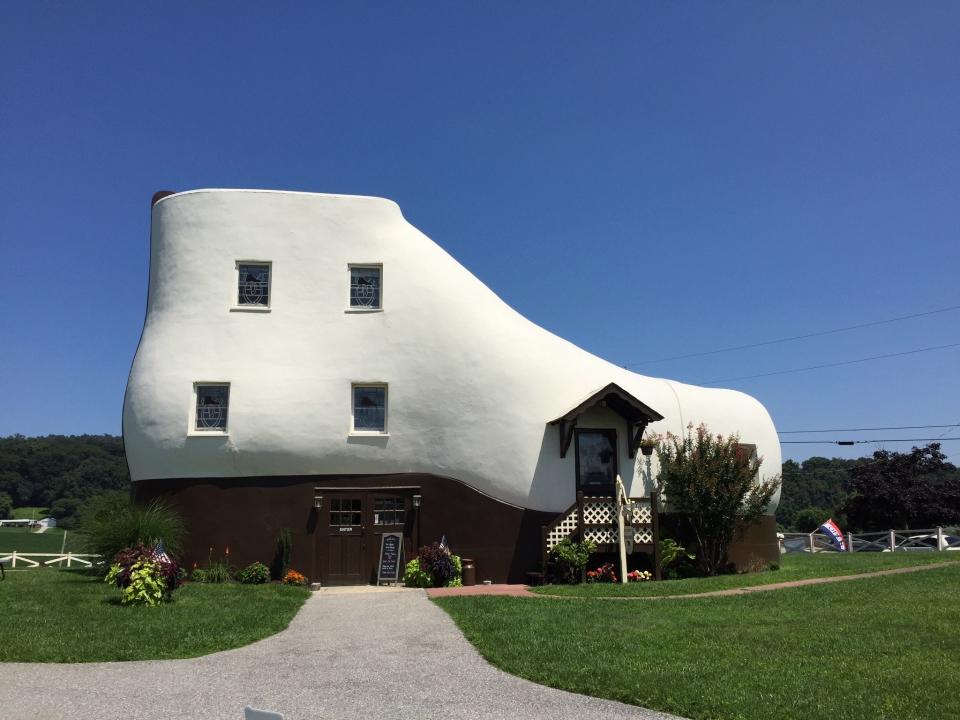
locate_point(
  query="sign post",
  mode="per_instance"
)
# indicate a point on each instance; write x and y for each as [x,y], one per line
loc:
[391,557]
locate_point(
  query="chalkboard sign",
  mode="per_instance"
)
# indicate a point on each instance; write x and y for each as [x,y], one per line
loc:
[391,556]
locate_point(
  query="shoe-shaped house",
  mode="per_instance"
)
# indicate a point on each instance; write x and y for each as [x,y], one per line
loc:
[315,362]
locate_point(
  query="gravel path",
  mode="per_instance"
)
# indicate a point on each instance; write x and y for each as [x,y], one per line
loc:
[344,656]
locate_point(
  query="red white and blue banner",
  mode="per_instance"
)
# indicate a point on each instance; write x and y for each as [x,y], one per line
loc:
[832,531]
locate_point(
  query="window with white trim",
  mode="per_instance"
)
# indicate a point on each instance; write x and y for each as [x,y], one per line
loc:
[369,408]
[212,401]
[253,284]
[366,286]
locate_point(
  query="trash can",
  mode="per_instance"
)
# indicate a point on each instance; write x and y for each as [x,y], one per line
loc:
[469,572]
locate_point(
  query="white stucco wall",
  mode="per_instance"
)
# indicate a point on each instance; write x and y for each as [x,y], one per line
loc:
[472,383]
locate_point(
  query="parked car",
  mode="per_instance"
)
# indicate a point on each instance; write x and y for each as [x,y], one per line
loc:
[928,543]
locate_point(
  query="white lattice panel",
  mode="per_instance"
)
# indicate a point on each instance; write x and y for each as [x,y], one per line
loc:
[562,530]
[642,536]
[603,511]
[601,536]
[599,511]
[642,513]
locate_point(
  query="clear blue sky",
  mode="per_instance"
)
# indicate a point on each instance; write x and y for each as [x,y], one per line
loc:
[644,179]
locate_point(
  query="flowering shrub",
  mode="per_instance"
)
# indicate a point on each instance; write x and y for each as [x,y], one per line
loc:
[294,578]
[254,574]
[606,573]
[434,567]
[639,576]
[143,577]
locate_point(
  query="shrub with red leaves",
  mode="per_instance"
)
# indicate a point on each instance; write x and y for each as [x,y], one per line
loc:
[128,557]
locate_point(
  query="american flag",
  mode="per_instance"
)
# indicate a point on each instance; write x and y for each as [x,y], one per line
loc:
[160,553]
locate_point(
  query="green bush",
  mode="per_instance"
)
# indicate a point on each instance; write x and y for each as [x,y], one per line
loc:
[569,559]
[198,575]
[217,572]
[281,556]
[254,574]
[675,561]
[413,576]
[109,527]
[146,585]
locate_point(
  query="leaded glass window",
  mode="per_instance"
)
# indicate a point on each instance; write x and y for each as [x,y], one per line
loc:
[365,287]
[253,284]
[370,408]
[212,404]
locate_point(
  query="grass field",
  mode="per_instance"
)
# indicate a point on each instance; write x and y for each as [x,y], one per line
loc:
[68,616]
[29,513]
[27,541]
[875,649]
[793,567]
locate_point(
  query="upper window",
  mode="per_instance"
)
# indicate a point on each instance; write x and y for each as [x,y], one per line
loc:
[370,408]
[366,286]
[213,401]
[253,284]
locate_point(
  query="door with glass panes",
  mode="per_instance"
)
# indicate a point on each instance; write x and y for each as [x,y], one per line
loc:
[354,524]
[346,557]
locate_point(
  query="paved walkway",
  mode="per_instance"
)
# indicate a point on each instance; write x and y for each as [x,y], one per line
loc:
[345,656]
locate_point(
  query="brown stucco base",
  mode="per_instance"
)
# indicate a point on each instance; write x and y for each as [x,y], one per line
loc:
[246,515]
[753,548]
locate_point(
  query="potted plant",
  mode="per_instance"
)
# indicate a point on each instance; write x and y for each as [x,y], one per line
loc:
[648,443]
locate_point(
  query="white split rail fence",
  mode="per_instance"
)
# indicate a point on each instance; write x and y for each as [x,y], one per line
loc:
[27,559]
[922,540]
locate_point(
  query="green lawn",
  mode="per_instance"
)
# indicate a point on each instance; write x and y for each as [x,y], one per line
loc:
[27,541]
[876,649]
[794,567]
[29,513]
[68,616]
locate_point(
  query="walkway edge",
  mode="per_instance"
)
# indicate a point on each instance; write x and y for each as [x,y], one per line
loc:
[750,589]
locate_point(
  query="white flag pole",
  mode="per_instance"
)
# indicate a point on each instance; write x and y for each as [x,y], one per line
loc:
[621,507]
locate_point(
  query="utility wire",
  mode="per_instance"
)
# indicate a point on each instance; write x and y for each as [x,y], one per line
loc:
[830,365]
[898,427]
[794,337]
[865,442]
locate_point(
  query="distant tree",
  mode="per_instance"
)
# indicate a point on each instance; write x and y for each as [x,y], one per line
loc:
[903,490]
[714,482]
[810,518]
[6,506]
[61,472]
[817,482]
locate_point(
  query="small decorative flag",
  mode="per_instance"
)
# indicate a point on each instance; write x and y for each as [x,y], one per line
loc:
[832,531]
[160,553]
[443,543]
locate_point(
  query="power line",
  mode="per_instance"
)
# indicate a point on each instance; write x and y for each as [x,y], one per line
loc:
[794,337]
[836,364]
[898,427]
[865,442]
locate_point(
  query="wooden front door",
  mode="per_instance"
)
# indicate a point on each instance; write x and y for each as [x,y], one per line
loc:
[346,553]
[351,525]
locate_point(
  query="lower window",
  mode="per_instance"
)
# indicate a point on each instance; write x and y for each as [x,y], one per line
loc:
[212,404]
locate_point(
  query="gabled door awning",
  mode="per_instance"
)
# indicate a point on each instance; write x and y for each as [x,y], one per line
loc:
[637,414]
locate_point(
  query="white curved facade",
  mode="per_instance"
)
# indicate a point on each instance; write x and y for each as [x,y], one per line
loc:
[471,383]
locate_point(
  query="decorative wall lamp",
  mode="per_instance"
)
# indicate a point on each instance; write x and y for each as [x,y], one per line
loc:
[317,499]
[416,502]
